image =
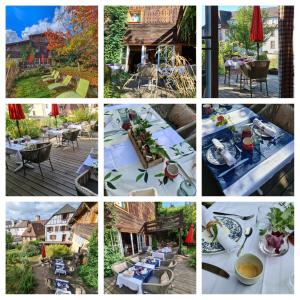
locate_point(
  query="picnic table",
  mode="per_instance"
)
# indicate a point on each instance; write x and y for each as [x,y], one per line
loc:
[250,171]
[124,172]
[278,271]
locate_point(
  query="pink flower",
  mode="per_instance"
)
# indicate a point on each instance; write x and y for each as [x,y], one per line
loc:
[275,240]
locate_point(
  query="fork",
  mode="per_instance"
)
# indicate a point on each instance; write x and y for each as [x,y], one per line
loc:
[238,216]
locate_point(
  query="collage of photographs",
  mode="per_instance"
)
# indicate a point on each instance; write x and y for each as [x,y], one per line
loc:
[125,61]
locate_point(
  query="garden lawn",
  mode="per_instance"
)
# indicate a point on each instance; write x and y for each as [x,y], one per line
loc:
[31,87]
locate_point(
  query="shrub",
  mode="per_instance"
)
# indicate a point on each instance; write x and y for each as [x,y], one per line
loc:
[192,261]
[31,248]
[57,251]
[89,271]
[82,114]
[30,73]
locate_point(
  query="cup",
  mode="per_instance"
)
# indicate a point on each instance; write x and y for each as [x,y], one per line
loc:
[207,109]
[171,170]
[186,188]
[246,132]
[248,144]
[248,269]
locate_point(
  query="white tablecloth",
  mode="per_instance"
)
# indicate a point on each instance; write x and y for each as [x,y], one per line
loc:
[166,250]
[159,255]
[130,282]
[120,157]
[74,126]
[57,132]
[259,175]
[87,164]
[145,265]
[233,64]
[16,148]
[277,270]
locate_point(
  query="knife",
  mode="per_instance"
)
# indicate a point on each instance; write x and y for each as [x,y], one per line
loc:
[235,166]
[214,269]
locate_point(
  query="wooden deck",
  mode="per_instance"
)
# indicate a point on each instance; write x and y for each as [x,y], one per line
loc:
[184,282]
[281,184]
[59,182]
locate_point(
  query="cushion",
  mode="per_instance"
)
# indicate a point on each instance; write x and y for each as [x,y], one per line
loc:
[164,279]
[181,115]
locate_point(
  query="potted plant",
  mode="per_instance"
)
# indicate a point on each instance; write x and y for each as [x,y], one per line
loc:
[274,239]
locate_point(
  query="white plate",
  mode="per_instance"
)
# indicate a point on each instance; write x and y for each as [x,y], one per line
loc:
[260,133]
[215,158]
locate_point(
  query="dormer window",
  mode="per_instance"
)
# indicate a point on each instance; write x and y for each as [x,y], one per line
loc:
[135,16]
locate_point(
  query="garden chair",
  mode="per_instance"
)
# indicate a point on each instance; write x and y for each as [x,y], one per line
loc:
[86,129]
[168,264]
[57,85]
[81,90]
[120,267]
[38,155]
[159,282]
[49,75]
[77,289]
[134,259]
[50,284]
[70,136]
[169,256]
[52,78]
[85,185]
[255,71]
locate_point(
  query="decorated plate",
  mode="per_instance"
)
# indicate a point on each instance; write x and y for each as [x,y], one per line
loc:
[214,157]
[234,230]
[260,133]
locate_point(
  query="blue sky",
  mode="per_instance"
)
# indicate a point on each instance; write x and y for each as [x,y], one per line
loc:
[28,210]
[22,21]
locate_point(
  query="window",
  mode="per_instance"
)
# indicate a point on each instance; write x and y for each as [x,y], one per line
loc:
[64,216]
[56,228]
[64,228]
[123,205]
[49,229]
[52,237]
[135,16]
[272,45]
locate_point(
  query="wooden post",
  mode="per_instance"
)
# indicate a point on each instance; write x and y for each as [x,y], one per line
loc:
[180,241]
[127,58]
[143,54]
[132,245]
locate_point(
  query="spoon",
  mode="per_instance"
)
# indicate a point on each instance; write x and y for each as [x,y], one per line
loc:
[248,232]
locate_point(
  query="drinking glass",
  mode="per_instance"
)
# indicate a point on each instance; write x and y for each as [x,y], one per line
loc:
[262,221]
[186,188]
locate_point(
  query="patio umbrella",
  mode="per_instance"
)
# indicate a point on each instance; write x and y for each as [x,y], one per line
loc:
[43,251]
[54,112]
[16,113]
[30,59]
[257,30]
[43,59]
[190,236]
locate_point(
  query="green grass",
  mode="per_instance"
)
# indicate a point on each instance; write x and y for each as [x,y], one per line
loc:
[31,87]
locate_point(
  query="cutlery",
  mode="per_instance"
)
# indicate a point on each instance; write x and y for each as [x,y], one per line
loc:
[189,178]
[248,232]
[235,166]
[238,216]
[214,269]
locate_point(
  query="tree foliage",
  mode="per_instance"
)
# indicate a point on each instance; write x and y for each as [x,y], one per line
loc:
[115,22]
[239,29]
[188,25]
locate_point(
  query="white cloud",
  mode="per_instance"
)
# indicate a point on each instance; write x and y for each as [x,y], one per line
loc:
[11,36]
[60,22]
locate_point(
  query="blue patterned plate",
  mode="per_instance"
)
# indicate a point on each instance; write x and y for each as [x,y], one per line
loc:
[235,232]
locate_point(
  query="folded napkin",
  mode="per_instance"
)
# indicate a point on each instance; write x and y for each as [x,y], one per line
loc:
[222,237]
[229,159]
[265,128]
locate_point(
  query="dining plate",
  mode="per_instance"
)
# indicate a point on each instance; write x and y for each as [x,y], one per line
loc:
[234,230]
[260,133]
[214,157]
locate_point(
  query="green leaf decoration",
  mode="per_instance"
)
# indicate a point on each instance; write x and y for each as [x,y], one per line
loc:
[116,178]
[142,170]
[215,231]
[107,140]
[146,177]
[107,175]
[139,177]
[110,185]
[165,180]
[159,175]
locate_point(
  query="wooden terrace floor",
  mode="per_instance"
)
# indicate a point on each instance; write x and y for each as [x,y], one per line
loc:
[184,280]
[59,182]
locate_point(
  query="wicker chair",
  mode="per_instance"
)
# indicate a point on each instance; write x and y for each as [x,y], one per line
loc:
[120,267]
[50,284]
[85,185]
[86,130]
[169,256]
[38,155]
[70,136]
[168,264]
[255,71]
[135,259]
[159,282]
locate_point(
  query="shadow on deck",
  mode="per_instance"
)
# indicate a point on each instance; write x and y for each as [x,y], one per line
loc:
[233,91]
[59,182]
[184,280]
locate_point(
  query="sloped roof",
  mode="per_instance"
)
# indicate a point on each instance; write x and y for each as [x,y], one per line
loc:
[65,210]
[22,224]
[35,229]
[9,223]
[83,207]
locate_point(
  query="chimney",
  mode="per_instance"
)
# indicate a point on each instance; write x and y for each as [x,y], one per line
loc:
[37,218]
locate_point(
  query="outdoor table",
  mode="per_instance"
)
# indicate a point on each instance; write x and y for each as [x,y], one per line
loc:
[60,283]
[145,265]
[165,250]
[57,133]
[88,164]
[62,291]
[268,157]
[159,255]
[122,162]
[277,270]
[12,148]
[60,264]
[74,126]
[135,282]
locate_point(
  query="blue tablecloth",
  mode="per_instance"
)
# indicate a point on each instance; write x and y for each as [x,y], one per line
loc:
[156,263]
[143,277]
[266,148]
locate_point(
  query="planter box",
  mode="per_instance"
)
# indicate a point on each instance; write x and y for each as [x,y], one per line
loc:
[146,164]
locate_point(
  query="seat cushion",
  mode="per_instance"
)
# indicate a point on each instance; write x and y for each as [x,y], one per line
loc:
[181,115]
[70,94]
[164,278]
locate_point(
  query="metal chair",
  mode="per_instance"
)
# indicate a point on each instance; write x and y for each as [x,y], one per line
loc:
[70,136]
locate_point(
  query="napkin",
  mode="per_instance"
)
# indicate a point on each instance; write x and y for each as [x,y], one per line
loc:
[265,128]
[229,159]
[223,238]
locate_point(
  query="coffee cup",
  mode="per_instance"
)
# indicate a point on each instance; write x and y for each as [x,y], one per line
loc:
[249,269]
[248,144]
[171,170]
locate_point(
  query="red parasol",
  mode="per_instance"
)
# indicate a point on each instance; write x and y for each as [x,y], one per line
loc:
[54,112]
[43,251]
[16,113]
[30,59]
[190,236]
[43,59]
[257,30]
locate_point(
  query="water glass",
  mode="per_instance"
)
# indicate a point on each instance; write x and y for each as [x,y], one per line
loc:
[262,221]
[186,188]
